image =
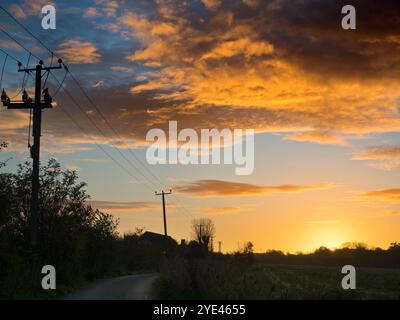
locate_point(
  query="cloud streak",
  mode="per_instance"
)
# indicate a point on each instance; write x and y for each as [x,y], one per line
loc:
[219,210]
[392,194]
[123,206]
[221,188]
[317,137]
[380,157]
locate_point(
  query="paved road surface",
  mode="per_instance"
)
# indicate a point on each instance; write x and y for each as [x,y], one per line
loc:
[134,287]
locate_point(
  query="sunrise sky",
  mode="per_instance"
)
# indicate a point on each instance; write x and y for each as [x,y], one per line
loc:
[323,102]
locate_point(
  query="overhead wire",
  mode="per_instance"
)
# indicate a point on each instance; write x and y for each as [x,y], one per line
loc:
[78,84]
[83,91]
[24,79]
[2,71]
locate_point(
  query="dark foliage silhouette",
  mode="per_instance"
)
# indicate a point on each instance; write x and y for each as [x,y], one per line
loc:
[356,254]
[83,245]
[203,230]
[79,241]
[194,272]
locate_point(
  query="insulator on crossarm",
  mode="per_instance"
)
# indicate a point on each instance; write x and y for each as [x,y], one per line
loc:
[4,97]
[47,98]
[25,97]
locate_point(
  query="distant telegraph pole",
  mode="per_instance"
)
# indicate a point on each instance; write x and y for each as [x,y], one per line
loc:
[219,246]
[37,106]
[164,211]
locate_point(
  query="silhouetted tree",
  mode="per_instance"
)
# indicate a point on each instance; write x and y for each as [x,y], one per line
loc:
[245,254]
[248,248]
[78,240]
[354,245]
[204,232]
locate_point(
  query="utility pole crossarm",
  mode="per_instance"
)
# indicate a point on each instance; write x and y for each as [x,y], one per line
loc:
[162,192]
[27,102]
[40,63]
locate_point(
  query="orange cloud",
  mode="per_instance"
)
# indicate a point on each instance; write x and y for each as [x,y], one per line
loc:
[378,153]
[92,12]
[29,8]
[17,11]
[13,119]
[216,188]
[212,4]
[146,30]
[383,194]
[244,46]
[109,7]
[391,213]
[253,3]
[122,68]
[79,52]
[10,44]
[232,62]
[66,149]
[383,157]
[153,52]
[317,137]
[250,67]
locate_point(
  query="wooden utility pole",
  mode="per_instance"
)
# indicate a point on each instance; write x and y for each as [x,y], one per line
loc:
[164,211]
[37,105]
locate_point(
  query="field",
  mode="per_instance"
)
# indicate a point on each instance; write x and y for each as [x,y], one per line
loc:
[227,277]
[320,282]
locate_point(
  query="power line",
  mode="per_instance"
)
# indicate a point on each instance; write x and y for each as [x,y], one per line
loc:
[79,86]
[19,43]
[119,137]
[83,91]
[60,85]
[84,131]
[9,55]
[24,78]
[111,127]
[97,144]
[47,75]
[27,30]
[66,91]
[86,95]
[2,71]
[99,129]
